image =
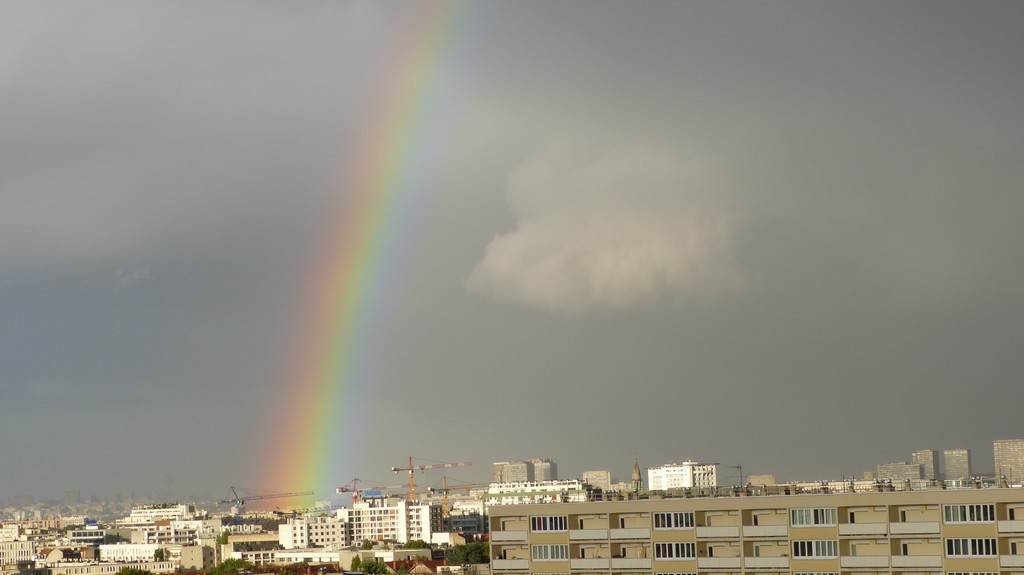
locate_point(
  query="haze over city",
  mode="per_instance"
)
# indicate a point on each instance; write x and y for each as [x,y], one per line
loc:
[778,234]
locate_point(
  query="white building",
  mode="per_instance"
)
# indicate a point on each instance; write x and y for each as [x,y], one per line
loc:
[129,552]
[526,492]
[13,553]
[150,514]
[308,532]
[685,475]
[391,519]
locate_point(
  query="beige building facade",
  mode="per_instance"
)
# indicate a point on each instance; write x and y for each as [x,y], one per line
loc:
[1009,458]
[969,531]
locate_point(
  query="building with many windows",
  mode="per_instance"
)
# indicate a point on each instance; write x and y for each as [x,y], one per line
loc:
[598,478]
[900,471]
[391,519]
[544,469]
[928,459]
[685,475]
[968,531]
[957,464]
[1009,458]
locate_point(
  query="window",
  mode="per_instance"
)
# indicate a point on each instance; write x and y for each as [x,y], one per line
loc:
[549,523]
[802,517]
[981,513]
[550,552]
[822,548]
[674,550]
[973,547]
[681,520]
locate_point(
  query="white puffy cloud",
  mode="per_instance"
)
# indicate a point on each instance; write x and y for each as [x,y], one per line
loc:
[610,232]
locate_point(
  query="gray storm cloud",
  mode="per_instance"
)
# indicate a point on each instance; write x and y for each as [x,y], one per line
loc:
[609,232]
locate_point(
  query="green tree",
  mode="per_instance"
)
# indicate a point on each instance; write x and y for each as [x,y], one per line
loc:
[470,554]
[375,568]
[160,554]
[222,539]
[232,567]
[416,544]
[357,564]
[367,545]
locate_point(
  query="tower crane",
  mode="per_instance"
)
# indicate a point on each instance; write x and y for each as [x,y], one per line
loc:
[239,500]
[445,488]
[412,469]
[353,488]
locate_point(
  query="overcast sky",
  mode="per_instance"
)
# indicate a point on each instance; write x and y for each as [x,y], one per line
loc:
[784,235]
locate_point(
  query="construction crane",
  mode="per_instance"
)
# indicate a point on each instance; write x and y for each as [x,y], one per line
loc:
[445,489]
[239,500]
[353,488]
[412,469]
[306,511]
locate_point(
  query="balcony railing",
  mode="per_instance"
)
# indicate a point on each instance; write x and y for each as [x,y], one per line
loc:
[766,562]
[865,561]
[1011,561]
[1011,526]
[594,563]
[765,530]
[863,528]
[718,532]
[631,563]
[510,564]
[917,561]
[914,528]
[587,534]
[719,562]
[631,533]
[502,536]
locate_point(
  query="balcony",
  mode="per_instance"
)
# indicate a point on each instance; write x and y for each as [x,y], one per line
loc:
[916,561]
[865,561]
[766,563]
[593,563]
[504,536]
[1011,561]
[765,530]
[510,564]
[1011,526]
[718,532]
[915,528]
[588,534]
[863,528]
[719,563]
[631,533]
[631,563]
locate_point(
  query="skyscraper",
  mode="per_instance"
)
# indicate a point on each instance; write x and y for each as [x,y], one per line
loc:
[1009,456]
[544,470]
[957,463]
[928,459]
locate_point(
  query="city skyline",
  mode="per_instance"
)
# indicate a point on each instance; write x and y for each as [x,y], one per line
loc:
[283,246]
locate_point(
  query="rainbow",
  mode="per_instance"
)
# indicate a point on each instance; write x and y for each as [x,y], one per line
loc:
[317,448]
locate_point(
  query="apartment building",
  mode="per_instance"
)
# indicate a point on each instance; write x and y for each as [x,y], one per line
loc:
[969,531]
[958,463]
[900,471]
[391,519]
[685,475]
[1009,458]
[928,459]
[305,532]
[601,479]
